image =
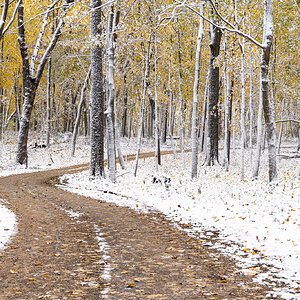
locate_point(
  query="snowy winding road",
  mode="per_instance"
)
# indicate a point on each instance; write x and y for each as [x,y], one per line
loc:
[69,246]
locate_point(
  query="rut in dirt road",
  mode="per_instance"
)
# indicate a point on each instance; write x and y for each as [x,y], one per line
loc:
[57,255]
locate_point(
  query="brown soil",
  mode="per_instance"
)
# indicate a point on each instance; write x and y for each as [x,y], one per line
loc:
[54,256]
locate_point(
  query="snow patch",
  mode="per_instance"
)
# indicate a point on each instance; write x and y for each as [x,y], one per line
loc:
[8,225]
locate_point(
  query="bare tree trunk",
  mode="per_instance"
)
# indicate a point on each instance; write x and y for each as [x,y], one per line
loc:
[268,105]
[281,127]
[79,109]
[117,139]
[195,95]
[48,116]
[142,109]
[182,146]
[97,95]
[32,75]
[203,132]
[171,112]
[243,125]
[124,116]
[111,35]
[213,98]
[251,106]
[258,139]
[156,126]
[228,109]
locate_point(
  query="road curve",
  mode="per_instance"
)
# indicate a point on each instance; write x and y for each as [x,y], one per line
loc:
[55,256]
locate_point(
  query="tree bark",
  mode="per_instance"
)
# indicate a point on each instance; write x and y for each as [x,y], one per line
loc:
[32,76]
[213,98]
[142,109]
[97,95]
[228,109]
[48,114]
[79,109]
[156,126]
[180,75]
[195,95]
[268,105]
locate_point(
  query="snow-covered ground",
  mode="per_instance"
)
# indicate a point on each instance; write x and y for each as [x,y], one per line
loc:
[258,223]
[41,158]
[57,156]
[8,224]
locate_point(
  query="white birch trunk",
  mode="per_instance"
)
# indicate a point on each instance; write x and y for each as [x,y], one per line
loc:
[259,137]
[195,95]
[117,140]
[111,98]
[243,129]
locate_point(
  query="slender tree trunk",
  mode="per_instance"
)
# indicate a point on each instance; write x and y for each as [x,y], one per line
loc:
[195,95]
[124,116]
[259,137]
[251,106]
[243,125]
[213,98]
[156,126]
[48,116]
[97,95]
[79,109]
[203,132]
[164,123]
[117,139]
[268,105]
[182,146]
[281,127]
[171,112]
[142,109]
[228,109]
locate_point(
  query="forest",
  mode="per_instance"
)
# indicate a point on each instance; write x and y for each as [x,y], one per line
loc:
[209,88]
[165,72]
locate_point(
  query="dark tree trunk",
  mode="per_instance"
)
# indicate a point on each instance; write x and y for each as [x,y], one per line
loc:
[213,99]
[31,75]
[124,116]
[97,95]
[268,105]
[165,124]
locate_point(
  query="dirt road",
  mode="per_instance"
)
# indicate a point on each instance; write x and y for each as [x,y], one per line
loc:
[56,256]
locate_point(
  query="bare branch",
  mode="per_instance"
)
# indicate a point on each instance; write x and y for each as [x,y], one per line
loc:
[3,17]
[11,20]
[234,30]
[50,47]
[21,39]
[40,37]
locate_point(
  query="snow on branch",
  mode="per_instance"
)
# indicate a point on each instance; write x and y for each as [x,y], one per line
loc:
[3,18]
[229,27]
[40,37]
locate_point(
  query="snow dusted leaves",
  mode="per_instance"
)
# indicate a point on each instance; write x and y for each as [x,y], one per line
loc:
[258,223]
